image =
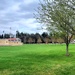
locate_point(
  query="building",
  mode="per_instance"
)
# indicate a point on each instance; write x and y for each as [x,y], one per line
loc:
[10,42]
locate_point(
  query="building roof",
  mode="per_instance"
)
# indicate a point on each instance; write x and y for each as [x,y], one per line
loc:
[13,39]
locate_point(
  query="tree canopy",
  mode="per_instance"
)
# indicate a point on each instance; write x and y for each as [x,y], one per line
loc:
[58,16]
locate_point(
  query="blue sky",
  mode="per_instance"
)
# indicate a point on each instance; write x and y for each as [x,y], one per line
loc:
[18,14]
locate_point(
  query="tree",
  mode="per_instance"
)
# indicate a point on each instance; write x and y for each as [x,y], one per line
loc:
[58,16]
[37,36]
[33,38]
[45,34]
[17,34]
[6,35]
[53,36]
[45,37]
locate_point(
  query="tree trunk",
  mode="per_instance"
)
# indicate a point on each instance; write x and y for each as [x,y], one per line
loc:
[67,50]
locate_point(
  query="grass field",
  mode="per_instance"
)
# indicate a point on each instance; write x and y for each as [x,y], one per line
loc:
[37,59]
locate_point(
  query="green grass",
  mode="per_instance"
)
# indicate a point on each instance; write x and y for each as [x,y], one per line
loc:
[37,59]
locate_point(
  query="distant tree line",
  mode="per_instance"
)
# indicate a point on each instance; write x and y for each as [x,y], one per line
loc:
[33,38]
[26,38]
[4,36]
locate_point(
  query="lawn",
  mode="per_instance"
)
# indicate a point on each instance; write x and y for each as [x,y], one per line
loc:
[37,59]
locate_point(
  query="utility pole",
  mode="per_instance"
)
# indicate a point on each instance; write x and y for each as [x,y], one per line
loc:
[10,32]
[3,34]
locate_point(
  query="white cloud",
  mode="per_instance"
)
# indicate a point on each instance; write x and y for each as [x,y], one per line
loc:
[18,14]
